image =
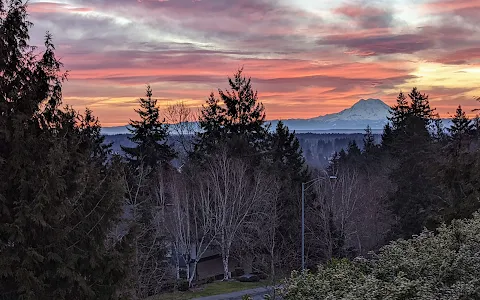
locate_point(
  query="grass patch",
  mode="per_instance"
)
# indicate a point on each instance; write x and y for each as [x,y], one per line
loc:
[215,288]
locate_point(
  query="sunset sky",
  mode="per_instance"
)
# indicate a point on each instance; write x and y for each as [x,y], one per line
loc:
[306,57]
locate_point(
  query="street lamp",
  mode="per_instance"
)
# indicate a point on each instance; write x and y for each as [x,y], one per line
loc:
[303,212]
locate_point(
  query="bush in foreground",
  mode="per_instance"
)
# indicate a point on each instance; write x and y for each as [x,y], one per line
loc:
[445,265]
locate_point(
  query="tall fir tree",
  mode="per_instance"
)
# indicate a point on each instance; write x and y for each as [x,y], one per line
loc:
[420,107]
[150,136]
[59,195]
[461,128]
[399,112]
[373,156]
[244,113]
[149,163]
[368,140]
[403,112]
[286,161]
[458,176]
[387,137]
[415,198]
[236,119]
[212,122]
[353,149]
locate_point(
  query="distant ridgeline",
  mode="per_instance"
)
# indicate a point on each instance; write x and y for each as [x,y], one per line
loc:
[370,112]
[317,147]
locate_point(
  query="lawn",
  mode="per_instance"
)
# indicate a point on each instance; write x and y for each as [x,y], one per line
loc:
[215,288]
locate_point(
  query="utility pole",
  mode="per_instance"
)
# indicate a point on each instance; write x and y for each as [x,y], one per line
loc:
[303,226]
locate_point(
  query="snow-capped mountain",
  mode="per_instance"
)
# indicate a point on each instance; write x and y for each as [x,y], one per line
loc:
[370,109]
[370,112]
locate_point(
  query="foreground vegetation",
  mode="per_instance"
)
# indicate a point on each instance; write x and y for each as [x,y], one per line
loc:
[443,265]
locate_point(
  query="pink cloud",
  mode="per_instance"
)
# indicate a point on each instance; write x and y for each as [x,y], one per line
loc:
[366,16]
[53,7]
[445,6]
[302,65]
[460,57]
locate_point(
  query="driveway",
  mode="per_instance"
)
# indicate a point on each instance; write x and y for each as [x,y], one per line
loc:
[257,294]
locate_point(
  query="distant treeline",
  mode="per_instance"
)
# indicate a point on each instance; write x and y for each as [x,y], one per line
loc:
[318,148]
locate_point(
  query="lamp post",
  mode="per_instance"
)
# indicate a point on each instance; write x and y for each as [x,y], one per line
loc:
[303,213]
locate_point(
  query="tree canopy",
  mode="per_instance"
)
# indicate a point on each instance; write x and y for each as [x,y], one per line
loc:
[59,194]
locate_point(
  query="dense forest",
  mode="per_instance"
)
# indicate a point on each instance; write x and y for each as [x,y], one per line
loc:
[317,148]
[81,221]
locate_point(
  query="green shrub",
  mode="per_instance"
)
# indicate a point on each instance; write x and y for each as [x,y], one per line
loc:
[246,297]
[442,266]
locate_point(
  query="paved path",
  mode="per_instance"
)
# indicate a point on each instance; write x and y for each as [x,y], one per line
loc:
[257,294]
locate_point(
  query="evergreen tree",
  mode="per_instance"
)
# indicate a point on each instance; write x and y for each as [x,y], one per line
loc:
[368,140]
[288,164]
[286,151]
[387,137]
[438,131]
[415,199]
[147,168]
[459,180]
[461,127]
[237,118]
[420,107]
[59,196]
[150,135]
[458,175]
[351,157]
[212,122]
[399,112]
[403,112]
[244,114]
[342,155]
[353,150]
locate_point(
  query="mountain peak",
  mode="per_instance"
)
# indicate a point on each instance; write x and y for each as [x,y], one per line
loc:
[362,103]
[364,110]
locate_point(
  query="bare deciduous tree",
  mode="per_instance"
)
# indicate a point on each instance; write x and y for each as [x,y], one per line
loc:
[191,221]
[182,120]
[373,218]
[349,212]
[236,193]
[256,245]
[346,196]
[268,224]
